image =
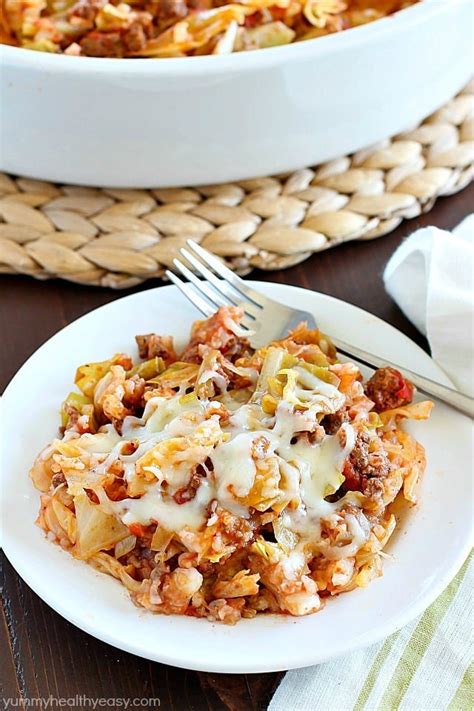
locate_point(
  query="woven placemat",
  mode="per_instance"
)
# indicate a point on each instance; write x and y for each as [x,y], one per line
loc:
[118,238]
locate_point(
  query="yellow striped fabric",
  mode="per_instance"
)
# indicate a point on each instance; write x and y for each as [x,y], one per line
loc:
[426,666]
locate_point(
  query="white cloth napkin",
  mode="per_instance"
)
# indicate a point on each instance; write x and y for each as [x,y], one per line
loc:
[430,276]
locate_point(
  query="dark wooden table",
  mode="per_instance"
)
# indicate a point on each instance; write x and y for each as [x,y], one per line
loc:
[44,655]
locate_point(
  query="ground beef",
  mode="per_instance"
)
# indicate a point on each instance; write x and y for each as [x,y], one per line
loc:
[172,9]
[151,345]
[332,423]
[168,11]
[102,44]
[387,388]
[134,390]
[373,488]
[188,492]
[135,37]
[363,466]
[233,349]
[57,480]
[191,354]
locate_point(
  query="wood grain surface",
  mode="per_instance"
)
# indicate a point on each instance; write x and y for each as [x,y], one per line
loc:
[42,654]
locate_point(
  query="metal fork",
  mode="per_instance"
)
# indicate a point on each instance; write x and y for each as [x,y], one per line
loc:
[266,320]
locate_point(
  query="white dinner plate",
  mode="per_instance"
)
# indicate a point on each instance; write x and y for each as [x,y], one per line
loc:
[429,546]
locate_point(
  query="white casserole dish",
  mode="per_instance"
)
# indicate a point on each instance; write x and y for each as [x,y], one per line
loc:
[188,121]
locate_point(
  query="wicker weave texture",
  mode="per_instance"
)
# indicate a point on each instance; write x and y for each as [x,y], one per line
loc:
[118,238]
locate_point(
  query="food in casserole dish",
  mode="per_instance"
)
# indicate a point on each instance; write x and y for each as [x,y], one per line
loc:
[225,482]
[178,28]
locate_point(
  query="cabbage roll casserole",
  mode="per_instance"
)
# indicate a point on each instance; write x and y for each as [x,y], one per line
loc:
[223,482]
[178,28]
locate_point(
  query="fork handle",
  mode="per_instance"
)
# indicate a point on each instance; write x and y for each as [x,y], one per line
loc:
[458,400]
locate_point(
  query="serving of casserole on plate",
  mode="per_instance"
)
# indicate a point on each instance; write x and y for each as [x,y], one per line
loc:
[223,482]
[230,483]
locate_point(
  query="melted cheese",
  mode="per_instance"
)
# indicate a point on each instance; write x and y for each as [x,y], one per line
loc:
[308,473]
[152,506]
[217,378]
[161,412]
[235,470]
[101,442]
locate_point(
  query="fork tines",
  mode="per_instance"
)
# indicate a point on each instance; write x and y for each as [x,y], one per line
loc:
[218,285]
